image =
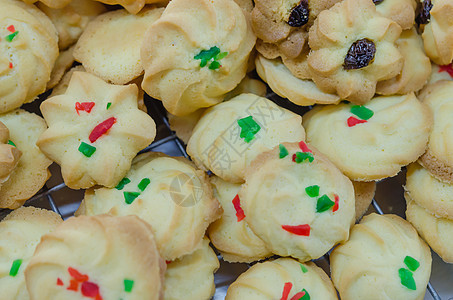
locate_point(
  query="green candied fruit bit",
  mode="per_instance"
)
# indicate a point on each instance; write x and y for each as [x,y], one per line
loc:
[129,197]
[128,285]
[221,55]
[207,55]
[109,104]
[283,151]
[248,128]
[302,156]
[362,112]
[15,267]
[411,263]
[143,184]
[306,296]
[303,268]
[86,149]
[11,143]
[407,279]
[10,38]
[312,191]
[214,65]
[323,204]
[122,183]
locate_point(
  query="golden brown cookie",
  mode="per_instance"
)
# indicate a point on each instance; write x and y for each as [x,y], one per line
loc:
[364,194]
[64,61]
[9,154]
[134,6]
[50,3]
[400,11]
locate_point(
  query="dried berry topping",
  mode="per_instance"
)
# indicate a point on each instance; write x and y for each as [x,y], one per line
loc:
[376,2]
[299,14]
[360,54]
[422,14]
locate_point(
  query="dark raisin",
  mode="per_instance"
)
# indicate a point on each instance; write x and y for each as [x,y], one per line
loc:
[422,13]
[299,14]
[360,54]
[376,2]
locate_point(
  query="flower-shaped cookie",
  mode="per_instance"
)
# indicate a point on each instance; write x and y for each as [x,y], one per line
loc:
[400,11]
[95,130]
[284,23]
[9,154]
[436,18]
[353,47]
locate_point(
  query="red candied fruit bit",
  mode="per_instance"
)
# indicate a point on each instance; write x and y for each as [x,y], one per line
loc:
[447,68]
[237,206]
[11,28]
[303,229]
[304,147]
[286,290]
[84,106]
[90,289]
[77,275]
[294,157]
[73,285]
[10,65]
[352,121]
[101,129]
[298,295]
[168,262]
[337,202]
[98,297]
[59,281]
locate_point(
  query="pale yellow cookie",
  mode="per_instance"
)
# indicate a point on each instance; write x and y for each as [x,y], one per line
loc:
[72,20]
[63,84]
[110,45]
[192,276]
[299,91]
[231,134]
[440,73]
[374,141]
[100,257]
[133,6]
[353,48]
[31,172]
[283,278]
[248,85]
[9,154]
[168,193]
[364,194]
[28,50]
[436,231]
[297,201]
[416,67]
[20,233]
[438,32]
[400,11]
[438,159]
[428,192]
[196,53]
[95,130]
[384,258]
[64,61]
[231,235]
[51,3]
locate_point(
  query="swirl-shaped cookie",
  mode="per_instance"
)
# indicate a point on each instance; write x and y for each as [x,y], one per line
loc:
[438,159]
[438,31]
[95,130]
[231,134]
[196,53]
[436,231]
[168,193]
[99,257]
[384,258]
[20,233]
[9,154]
[31,173]
[133,6]
[429,192]
[283,278]
[231,235]
[353,48]
[297,201]
[400,11]
[374,141]
[192,276]
[28,50]
[416,67]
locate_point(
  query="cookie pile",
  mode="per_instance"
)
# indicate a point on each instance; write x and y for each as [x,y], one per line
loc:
[264,185]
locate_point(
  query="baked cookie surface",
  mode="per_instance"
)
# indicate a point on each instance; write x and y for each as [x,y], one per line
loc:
[196,53]
[231,134]
[168,193]
[297,201]
[95,130]
[133,6]
[99,257]
[374,141]
[283,278]
[20,233]
[9,154]
[383,258]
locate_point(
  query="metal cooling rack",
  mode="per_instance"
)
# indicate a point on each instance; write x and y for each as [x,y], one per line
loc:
[167,142]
